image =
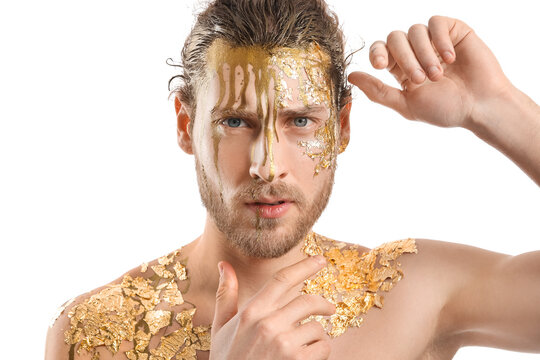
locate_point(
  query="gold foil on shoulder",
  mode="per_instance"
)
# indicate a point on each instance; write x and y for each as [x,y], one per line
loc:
[166,260]
[127,312]
[162,271]
[353,281]
[144,267]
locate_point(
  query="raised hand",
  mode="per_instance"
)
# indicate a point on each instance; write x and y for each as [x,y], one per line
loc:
[448,76]
[266,328]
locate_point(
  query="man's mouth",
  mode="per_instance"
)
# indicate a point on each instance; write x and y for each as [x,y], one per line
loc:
[272,203]
[270,208]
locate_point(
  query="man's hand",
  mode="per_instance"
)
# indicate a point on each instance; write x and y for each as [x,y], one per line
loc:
[449,77]
[266,328]
[446,73]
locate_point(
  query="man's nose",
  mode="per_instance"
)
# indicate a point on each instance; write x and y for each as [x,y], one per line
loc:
[267,162]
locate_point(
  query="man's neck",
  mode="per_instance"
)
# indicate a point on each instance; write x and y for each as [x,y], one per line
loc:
[252,273]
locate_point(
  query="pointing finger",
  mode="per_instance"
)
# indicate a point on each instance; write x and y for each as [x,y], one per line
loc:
[400,48]
[289,277]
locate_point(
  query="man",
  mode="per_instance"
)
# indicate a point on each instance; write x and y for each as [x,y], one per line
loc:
[264,107]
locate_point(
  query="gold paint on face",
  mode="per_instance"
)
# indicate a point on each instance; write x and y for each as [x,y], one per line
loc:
[270,69]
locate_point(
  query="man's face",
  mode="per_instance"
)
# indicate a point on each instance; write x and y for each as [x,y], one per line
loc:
[264,140]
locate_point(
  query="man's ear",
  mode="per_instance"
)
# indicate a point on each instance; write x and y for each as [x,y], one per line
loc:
[183,127]
[345,125]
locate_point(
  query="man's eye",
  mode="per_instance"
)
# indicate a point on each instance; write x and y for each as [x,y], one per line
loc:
[233,122]
[301,121]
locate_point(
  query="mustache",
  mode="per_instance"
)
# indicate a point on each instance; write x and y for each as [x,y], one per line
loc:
[255,190]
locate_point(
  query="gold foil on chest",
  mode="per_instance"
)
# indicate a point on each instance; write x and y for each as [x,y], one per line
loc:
[353,281]
[128,312]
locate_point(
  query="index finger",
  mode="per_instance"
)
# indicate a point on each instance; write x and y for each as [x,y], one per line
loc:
[289,277]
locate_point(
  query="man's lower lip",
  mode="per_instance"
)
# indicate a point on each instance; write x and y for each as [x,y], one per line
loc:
[270,211]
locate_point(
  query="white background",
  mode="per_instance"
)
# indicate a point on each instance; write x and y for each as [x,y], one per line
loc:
[92,182]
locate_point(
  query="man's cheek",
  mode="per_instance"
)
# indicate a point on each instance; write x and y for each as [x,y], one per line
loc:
[321,148]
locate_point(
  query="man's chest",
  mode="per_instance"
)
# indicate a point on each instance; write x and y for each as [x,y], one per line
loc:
[405,329]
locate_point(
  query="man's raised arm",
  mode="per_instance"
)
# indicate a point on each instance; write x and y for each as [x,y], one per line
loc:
[448,78]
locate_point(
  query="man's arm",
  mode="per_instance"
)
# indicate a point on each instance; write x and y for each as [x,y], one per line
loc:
[486,298]
[511,124]
[449,78]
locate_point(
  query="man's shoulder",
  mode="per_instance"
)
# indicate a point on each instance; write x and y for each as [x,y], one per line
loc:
[123,315]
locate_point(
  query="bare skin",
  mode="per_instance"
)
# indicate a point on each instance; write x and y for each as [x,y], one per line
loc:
[451,296]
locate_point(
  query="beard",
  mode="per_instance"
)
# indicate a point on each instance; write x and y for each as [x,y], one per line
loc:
[254,236]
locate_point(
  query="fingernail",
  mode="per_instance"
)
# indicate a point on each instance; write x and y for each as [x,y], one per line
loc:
[418,76]
[433,71]
[320,259]
[447,56]
[379,60]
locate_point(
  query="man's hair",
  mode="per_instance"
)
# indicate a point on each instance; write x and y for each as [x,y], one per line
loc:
[267,23]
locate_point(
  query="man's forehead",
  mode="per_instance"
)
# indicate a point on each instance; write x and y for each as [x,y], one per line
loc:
[290,60]
[307,68]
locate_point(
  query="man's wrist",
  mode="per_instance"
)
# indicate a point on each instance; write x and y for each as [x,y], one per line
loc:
[511,124]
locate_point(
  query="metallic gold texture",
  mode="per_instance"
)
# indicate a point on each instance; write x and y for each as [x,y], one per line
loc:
[353,281]
[128,312]
[270,67]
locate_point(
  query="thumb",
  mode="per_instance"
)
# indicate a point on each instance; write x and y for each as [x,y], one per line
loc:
[379,92]
[226,296]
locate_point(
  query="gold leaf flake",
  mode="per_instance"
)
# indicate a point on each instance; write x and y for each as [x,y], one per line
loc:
[166,260]
[180,271]
[157,319]
[170,344]
[142,339]
[172,295]
[185,318]
[161,271]
[131,354]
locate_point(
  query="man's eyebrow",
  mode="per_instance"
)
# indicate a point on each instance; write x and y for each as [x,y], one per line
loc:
[216,112]
[303,111]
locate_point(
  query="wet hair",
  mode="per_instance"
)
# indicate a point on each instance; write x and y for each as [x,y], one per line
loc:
[266,23]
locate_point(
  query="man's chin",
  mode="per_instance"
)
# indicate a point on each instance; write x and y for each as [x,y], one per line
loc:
[270,240]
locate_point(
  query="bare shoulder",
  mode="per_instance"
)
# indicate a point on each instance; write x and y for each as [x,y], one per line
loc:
[58,346]
[121,319]
[450,261]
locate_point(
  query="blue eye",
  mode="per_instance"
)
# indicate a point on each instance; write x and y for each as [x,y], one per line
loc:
[233,122]
[300,121]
